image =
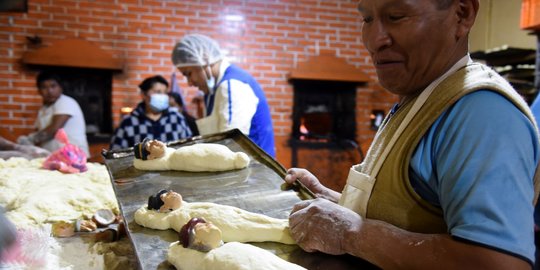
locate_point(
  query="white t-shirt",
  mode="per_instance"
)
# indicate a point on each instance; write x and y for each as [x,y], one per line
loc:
[75,126]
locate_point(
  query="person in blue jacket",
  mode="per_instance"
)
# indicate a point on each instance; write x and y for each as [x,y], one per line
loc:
[232,97]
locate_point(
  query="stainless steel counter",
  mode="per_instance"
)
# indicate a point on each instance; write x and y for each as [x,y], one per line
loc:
[258,188]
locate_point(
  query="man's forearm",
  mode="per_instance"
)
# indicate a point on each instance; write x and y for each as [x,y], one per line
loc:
[42,136]
[6,145]
[390,247]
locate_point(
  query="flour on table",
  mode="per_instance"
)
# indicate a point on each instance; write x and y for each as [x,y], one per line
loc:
[237,225]
[33,196]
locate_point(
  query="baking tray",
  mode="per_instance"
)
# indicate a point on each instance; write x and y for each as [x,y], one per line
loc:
[258,188]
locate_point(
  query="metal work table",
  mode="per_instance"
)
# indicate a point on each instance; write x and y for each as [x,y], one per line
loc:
[258,188]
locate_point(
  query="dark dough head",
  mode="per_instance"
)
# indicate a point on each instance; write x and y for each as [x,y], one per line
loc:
[154,201]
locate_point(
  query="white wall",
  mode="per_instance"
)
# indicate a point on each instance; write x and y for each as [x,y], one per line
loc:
[497,24]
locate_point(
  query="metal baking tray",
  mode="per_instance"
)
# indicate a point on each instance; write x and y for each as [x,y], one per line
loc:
[258,188]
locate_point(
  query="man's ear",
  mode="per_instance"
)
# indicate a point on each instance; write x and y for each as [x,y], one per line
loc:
[466,12]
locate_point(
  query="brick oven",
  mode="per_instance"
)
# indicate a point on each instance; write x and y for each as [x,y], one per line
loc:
[323,137]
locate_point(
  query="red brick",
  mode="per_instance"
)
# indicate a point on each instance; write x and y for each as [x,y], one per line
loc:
[150,18]
[275,36]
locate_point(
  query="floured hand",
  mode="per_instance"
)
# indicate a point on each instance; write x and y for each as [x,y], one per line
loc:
[312,183]
[33,151]
[321,225]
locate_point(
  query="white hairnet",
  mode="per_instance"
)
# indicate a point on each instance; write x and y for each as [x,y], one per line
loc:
[196,50]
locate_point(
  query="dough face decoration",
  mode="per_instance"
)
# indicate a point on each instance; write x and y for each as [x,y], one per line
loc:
[200,247]
[200,235]
[202,157]
[165,201]
[236,225]
[149,149]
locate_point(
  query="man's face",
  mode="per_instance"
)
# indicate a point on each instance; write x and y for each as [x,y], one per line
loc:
[196,77]
[411,42]
[50,91]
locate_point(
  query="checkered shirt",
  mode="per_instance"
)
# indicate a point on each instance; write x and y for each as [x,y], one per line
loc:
[136,126]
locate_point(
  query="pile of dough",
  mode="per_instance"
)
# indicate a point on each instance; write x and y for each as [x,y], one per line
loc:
[209,157]
[230,256]
[33,196]
[237,225]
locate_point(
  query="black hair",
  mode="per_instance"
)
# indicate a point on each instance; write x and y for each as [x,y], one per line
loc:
[154,201]
[45,76]
[149,82]
[177,98]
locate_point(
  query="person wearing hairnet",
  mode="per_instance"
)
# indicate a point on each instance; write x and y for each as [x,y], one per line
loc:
[233,98]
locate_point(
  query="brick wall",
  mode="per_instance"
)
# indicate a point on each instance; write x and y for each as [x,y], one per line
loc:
[266,37]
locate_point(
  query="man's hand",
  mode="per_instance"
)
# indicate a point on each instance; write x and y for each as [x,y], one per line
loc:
[32,151]
[321,225]
[26,139]
[305,177]
[312,183]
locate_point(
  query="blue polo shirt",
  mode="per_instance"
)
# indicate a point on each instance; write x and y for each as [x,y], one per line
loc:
[477,163]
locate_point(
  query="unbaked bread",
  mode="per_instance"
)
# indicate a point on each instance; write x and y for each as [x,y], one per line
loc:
[201,157]
[236,224]
[230,256]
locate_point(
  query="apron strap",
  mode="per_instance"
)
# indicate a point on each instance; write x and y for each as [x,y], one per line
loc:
[359,185]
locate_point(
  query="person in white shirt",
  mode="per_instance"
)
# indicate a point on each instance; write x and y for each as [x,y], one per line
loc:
[58,111]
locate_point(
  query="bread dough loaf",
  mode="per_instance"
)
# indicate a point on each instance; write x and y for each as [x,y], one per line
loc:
[230,256]
[236,225]
[202,157]
[158,164]
[207,157]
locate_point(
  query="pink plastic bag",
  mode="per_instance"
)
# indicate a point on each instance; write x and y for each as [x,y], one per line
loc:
[68,159]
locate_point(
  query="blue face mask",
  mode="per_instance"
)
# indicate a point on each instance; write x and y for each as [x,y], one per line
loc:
[159,102]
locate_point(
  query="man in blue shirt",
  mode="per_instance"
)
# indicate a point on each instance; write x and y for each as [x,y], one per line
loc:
[448,180]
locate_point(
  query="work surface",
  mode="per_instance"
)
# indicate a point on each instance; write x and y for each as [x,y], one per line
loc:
[35,198]
[258,188]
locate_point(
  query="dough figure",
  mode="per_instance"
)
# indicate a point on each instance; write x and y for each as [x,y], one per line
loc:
[200,248]
[236,225]
[202,157]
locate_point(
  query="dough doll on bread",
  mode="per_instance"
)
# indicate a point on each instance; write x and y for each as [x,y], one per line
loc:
[200,247]
[166,210]
[201,157]
[165,201]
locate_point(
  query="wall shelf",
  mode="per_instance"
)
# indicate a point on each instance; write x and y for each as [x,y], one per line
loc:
[517,65]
